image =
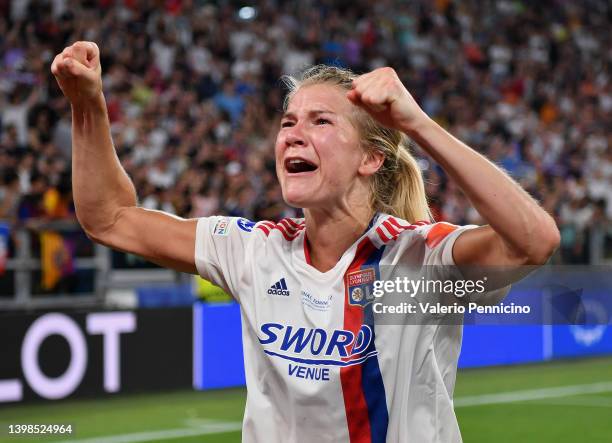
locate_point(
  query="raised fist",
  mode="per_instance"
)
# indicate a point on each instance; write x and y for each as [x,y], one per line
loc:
[382,94]
[78,72]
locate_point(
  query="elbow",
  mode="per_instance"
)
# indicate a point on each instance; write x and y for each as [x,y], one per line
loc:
[96,231]
[95,235]
[544,244]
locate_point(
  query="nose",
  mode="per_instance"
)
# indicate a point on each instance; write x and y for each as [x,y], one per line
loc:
[295,136]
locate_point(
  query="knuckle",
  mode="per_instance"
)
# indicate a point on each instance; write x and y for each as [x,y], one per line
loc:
[82,46]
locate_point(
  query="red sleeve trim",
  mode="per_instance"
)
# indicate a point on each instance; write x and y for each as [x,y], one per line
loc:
[438,232]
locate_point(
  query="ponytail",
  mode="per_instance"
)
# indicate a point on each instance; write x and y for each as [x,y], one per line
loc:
[407,198]
[397,188]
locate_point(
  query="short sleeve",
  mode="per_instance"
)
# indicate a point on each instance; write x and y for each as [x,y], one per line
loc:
[220,250]
[439,241]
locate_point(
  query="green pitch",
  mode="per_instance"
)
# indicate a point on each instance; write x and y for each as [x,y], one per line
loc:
[557,402]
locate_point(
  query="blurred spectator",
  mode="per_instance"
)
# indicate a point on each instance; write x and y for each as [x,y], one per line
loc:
[194,99]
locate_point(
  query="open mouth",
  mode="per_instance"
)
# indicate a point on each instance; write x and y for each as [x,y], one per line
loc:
[297,165]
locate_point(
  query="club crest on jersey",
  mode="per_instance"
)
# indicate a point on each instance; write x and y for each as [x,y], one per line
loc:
[222,227]
[360,286]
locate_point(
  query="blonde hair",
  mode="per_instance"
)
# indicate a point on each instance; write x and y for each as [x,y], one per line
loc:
[397,188]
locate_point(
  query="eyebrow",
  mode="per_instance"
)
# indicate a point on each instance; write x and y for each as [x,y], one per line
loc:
[310,113]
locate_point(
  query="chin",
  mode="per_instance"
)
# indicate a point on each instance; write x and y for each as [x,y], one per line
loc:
[295,201]
[297,198]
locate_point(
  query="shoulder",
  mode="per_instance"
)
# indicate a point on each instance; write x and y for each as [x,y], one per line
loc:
[391,233]
[221,227]
[287,228]
[435,233]
[397,234]
[389,229]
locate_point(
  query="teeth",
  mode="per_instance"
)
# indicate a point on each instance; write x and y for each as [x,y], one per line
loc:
[296,165]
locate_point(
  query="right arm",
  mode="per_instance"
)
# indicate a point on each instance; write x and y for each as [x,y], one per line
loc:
[104,196]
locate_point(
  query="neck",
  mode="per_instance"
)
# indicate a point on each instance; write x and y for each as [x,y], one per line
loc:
[331,232]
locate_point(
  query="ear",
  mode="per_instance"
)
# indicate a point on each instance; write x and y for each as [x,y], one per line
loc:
[371,162]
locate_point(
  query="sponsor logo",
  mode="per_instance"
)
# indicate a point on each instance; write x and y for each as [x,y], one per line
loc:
[222,227]
[245,225]
[279,288]
[308,372]
[316,346]
[110,325]
[360,286]
[318,304]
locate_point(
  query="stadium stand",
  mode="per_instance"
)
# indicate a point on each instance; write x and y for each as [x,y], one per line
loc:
[194,99]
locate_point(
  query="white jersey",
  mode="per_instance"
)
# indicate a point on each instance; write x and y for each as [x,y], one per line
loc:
[318,366]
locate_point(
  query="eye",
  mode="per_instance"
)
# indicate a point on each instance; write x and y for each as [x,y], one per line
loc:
[286,124]
[322,121]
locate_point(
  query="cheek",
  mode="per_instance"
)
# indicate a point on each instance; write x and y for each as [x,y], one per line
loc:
[346,138]
[278,144]
[343,153]
[278,154]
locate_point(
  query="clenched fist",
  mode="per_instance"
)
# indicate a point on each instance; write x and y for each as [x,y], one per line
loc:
[78,72]
[382,94]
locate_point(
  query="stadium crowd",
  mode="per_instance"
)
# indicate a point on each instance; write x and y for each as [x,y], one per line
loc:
[194,98]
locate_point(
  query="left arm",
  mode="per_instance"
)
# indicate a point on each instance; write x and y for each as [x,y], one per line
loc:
[520,232]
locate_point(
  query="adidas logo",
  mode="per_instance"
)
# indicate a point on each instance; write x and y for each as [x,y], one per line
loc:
[279,288]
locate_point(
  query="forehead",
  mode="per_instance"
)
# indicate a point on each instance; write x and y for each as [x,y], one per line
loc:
[321,97]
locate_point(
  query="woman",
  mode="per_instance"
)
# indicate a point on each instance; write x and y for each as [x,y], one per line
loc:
[319,366]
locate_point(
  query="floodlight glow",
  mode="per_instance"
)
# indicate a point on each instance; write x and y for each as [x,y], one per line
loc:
[247,13]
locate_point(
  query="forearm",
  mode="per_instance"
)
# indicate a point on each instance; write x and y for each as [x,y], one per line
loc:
[515,216]
[100,185]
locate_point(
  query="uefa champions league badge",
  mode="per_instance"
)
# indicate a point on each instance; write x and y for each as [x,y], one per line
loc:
[245,225]
[360,286]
